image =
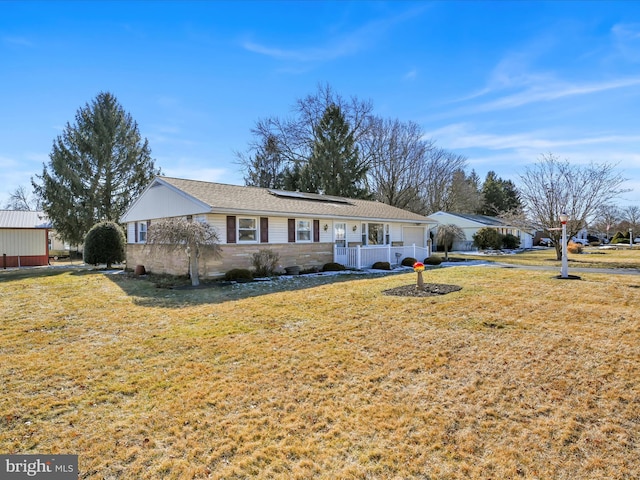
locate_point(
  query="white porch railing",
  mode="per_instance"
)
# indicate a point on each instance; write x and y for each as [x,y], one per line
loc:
[360,257]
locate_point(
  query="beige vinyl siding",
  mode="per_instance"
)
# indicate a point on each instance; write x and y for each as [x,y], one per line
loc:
[23,242]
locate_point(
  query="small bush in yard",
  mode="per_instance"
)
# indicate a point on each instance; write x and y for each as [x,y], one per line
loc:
[265,262]
[238,274]
[574,247]
[488,238]
[333,267]
[104,243]
[408,261]
[619,237]
[510,241]
[432,260]
[310,270]
[381,266]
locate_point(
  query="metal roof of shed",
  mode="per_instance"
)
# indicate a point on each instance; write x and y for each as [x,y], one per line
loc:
[23,219]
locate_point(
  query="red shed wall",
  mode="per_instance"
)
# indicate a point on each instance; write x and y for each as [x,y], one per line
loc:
[10,261]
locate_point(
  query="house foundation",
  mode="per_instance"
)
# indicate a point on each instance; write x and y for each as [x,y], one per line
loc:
[155,260]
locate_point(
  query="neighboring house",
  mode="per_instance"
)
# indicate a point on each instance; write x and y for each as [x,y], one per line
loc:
[541,237]
[23,238]
[305,230]
[470,224]
[581,237]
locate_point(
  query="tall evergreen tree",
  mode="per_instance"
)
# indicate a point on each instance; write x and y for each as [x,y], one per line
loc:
[335,167]
[499,196]
[97,166]
[266,167]
[464,192]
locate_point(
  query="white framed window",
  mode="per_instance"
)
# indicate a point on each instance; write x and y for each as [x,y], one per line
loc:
[303,230]
[375,234]
[247,229]
[142,232]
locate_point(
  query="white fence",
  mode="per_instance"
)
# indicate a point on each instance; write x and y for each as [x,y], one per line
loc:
[359,257]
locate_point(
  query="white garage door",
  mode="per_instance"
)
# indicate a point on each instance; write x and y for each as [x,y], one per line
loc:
[413,236]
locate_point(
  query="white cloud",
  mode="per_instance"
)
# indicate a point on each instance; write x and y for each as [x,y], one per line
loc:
[303,55]
[550,92]
[339,46]
[18,41]
[411,74]
[626,38]
[462,135]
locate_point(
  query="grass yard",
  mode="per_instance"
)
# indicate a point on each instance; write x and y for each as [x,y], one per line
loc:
[592,257]
[517,375]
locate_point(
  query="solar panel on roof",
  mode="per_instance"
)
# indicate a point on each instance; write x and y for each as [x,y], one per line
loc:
[309,196]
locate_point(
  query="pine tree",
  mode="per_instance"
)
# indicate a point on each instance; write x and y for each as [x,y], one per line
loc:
[335,167]
[97,166]
[500,196]
[265,168]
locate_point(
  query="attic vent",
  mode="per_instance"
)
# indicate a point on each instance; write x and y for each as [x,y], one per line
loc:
[315,197]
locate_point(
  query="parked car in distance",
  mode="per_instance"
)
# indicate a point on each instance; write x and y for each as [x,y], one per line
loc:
[545,242]
[581,241]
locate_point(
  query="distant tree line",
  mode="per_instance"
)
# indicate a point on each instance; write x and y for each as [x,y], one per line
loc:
[337,146]
[330,145]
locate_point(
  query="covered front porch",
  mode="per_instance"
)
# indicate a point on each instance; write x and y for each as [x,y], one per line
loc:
[360,257]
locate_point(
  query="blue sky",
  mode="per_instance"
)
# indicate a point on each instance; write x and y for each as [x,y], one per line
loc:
[498,82]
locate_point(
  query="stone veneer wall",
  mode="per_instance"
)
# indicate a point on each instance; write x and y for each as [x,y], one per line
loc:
[304,255]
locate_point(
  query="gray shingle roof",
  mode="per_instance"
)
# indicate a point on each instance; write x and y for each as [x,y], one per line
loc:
[23,219]
[484,219]
[236,198]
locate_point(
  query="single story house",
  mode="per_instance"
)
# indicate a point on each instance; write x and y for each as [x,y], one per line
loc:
[304,229]
[24,238]
[470,224]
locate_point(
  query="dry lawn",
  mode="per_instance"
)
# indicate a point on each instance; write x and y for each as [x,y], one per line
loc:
[517,375]
[591,257]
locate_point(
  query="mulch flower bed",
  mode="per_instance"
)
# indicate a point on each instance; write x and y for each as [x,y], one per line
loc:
[429,290]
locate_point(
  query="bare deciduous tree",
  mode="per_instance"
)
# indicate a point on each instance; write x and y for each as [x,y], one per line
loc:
[21,199]
[632,215]
[439,171]
[552,186]
[606,219]
[192,237]
[447,234]
[297,135]
[398,153]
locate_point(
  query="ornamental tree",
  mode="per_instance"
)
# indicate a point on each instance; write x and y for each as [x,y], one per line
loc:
[447,234]
[104,243]
[193,238]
